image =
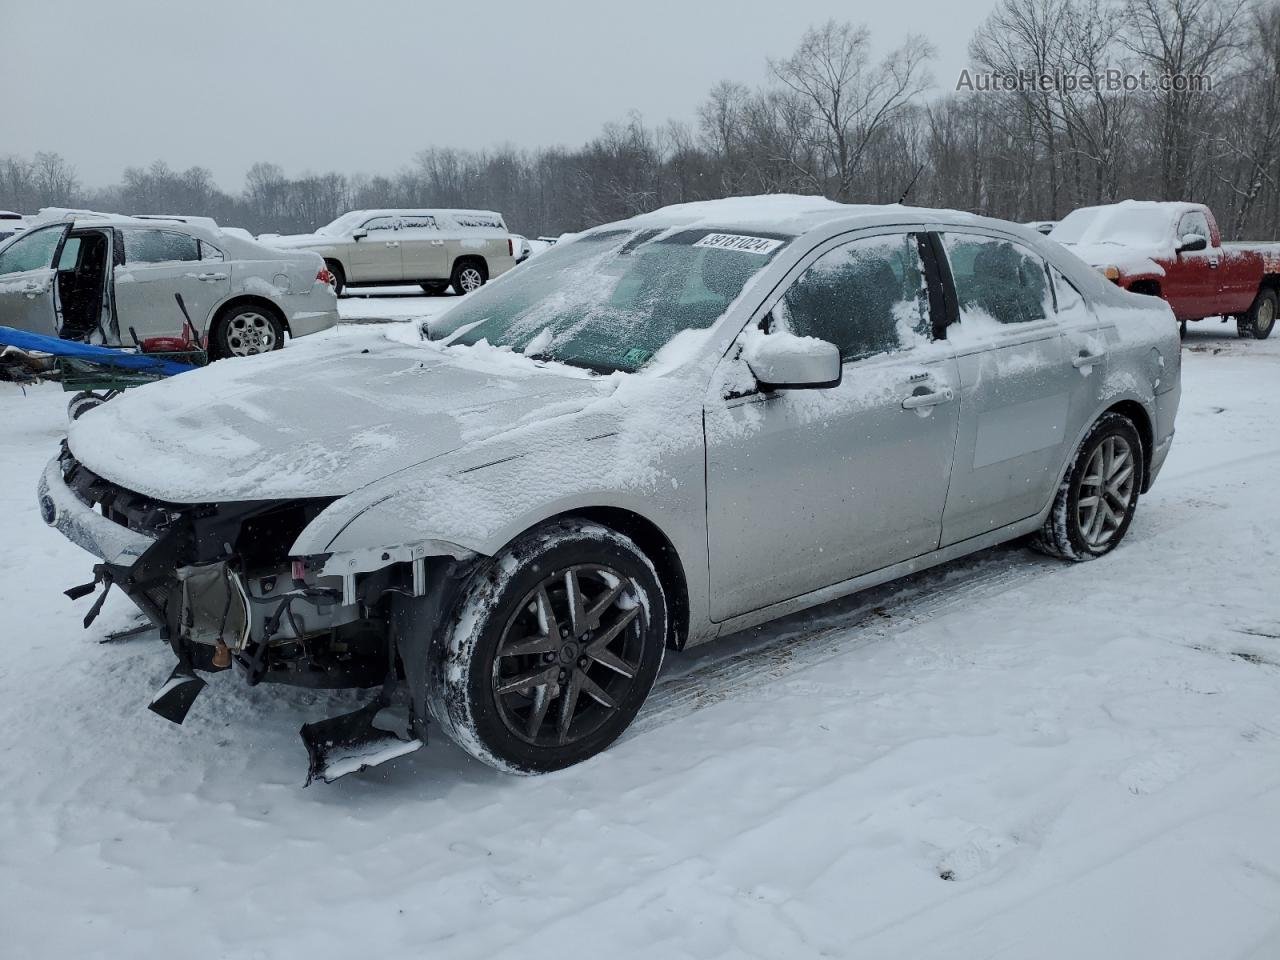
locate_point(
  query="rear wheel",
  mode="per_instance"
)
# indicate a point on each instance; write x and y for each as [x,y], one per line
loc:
[468,275]
[1261,318]
[1098,497]
[337,277]
[556,643]
[245,332]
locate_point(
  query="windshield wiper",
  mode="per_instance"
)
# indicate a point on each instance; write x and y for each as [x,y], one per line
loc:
[580,364]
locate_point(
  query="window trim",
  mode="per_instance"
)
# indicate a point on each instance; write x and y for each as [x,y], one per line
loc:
[816,253]
[1034,329]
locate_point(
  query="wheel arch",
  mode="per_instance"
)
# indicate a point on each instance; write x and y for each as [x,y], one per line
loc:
[655,545]
[1148,286]
[462,258]
[1137,414]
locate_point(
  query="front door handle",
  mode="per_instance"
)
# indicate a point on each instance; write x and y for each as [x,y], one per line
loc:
[1213,264]
[918,401]
[393,243]
[33,289]
[211,277]
[1088,360]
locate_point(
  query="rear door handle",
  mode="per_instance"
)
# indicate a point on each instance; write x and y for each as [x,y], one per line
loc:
[211,277]
[918,401]
[1088,360]
[393,243]
[437,243]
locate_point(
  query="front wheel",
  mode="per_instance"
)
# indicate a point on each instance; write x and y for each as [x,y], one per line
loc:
[1261,318]
[245,332]
[556,643]
[1097,499]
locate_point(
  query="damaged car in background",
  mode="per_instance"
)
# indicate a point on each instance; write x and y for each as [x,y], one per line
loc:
[662,431]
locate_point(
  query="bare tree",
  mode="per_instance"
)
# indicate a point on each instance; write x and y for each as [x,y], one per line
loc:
[847,100]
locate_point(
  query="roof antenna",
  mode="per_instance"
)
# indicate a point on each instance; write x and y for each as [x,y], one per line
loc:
[919,170]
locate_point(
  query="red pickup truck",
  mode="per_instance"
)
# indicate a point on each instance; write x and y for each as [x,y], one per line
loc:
[1175,251]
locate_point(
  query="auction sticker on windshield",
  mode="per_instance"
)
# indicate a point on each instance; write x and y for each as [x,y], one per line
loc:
[733,241]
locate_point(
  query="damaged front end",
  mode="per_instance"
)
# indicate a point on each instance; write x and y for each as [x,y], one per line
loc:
[218,582]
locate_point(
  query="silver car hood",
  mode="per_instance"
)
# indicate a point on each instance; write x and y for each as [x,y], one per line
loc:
[319,419]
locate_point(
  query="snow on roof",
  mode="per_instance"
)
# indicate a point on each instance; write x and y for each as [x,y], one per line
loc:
[789,213]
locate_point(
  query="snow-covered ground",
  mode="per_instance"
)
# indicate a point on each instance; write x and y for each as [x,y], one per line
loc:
[376,304]
[1006,757]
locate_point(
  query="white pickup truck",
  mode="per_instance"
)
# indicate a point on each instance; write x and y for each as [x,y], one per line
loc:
[434,249]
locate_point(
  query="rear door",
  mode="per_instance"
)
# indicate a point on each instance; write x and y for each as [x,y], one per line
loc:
[28,288]
[152,267]
[1018,385]
[422,248]
[376,256]
[809,488]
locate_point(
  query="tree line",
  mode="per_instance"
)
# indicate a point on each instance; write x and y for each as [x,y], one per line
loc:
[833,119]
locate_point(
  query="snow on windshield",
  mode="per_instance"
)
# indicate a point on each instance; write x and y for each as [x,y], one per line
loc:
[1131,224]
[341,225]
[612,299]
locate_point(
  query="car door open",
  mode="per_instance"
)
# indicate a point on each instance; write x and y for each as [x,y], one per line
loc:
[28,288]
[810,488]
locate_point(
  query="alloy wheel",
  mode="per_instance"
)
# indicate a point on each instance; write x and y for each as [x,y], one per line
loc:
[249,334]
[1108,487]
[569,655]
[470,279]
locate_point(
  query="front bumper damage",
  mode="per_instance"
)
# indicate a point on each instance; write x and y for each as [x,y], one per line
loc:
[217,583]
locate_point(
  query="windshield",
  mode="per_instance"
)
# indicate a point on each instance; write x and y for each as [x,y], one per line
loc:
[1121,224]
[343,224]
[610,300]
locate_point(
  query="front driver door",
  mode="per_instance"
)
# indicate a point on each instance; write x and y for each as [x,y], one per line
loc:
[806,489]
[156,265]
[28,291]
[375,256]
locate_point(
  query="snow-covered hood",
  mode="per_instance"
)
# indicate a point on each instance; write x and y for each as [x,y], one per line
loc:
[319,419]
[1129,259]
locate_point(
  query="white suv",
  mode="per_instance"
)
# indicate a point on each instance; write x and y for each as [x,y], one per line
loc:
[435,249]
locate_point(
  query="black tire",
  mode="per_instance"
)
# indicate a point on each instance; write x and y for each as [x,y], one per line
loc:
[435,288]
[1261,318]
[465,274]
[246,330]
[501,603]
[82,403]
[1063,534]
[339,281]
[1182,329]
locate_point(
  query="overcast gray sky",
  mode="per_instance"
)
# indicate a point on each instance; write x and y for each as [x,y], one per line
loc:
[363,85]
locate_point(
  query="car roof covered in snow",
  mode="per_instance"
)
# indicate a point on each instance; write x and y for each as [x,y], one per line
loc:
[795,215]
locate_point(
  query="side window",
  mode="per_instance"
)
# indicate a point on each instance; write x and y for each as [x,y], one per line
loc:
[418,223]
[997,281]
[70,255]
[867,296]
[31,252]
[209,252]
[379,223]
[1194,222]
[159,246]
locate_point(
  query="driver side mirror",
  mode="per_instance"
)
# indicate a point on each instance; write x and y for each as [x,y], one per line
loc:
[1191,242]
[359,234]
[783,361]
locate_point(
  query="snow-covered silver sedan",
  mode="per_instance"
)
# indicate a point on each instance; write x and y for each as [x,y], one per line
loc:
[107,279]
[660,432]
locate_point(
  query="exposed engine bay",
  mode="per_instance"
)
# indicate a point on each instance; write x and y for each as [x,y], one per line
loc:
[216,580]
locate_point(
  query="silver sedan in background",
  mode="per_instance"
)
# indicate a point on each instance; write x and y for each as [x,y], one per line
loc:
[657,433]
